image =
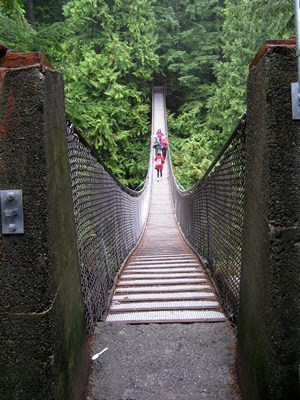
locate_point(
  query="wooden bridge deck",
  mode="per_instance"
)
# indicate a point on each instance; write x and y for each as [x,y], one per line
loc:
[163,280]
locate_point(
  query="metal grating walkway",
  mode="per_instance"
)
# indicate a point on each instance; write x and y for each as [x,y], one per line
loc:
[158,295]
[163,280]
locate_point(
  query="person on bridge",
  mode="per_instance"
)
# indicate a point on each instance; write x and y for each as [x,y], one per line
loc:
[159,134]
[159,162]
[164,145]
[156,144]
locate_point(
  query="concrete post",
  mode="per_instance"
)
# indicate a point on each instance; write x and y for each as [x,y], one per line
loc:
[269,316]
[43,344]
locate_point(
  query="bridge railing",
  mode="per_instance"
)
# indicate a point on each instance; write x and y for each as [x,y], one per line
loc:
[210,215]
[110,219]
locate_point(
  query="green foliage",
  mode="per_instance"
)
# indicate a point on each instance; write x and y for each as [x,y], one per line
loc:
[191,153]
[246,25]
[211,108]
[108,52]
[108,60]
[190,40]
[47,12]
[16,36]
[27,39]
[15,10]
[189,47]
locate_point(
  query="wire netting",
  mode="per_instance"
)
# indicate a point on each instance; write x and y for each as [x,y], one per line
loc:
[210,215]
[109,218]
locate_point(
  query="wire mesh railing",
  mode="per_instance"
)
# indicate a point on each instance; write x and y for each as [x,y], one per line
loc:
[109,218]
[210,215]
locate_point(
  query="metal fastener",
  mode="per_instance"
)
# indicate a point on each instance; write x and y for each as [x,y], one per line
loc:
[11,205]
[12,227]
[11,196]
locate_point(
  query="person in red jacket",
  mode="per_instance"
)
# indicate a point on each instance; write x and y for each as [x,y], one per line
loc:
[158,164]
[164,145]
[159,134]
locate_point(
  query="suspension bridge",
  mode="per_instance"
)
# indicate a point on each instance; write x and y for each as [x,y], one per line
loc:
[163,280]
[80,247]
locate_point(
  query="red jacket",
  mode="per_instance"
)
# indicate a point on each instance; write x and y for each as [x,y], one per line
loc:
[159,135]
[162,162]
[164,143]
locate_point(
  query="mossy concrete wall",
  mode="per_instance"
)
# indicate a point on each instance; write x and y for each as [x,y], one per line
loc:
[43,344]
[269,316]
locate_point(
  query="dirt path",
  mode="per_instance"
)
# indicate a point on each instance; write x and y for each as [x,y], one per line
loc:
[164,362]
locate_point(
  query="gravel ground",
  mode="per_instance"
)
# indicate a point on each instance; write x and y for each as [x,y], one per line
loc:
[164,362]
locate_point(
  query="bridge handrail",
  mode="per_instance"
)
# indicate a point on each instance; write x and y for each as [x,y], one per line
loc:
[210,215]
[109,217]
[82,139]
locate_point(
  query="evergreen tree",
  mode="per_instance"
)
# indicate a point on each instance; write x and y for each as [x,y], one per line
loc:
[44,11]
[108,52]
[190,47]
[247,23]
[15,31]
[15,10]
[108,59]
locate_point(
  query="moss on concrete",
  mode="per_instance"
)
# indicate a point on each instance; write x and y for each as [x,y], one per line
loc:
[269,316]
[43,339]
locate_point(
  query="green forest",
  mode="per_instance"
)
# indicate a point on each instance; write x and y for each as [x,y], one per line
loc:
[109,53]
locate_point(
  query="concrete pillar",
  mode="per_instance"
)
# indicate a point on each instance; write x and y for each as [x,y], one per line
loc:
[269,316]
[43,344]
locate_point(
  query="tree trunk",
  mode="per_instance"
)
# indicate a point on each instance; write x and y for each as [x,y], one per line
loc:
[30,11]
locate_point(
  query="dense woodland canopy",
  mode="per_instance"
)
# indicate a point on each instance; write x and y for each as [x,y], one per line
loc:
[109,52]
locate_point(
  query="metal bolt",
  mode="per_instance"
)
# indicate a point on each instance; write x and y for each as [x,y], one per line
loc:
[11,196]
[12,227]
